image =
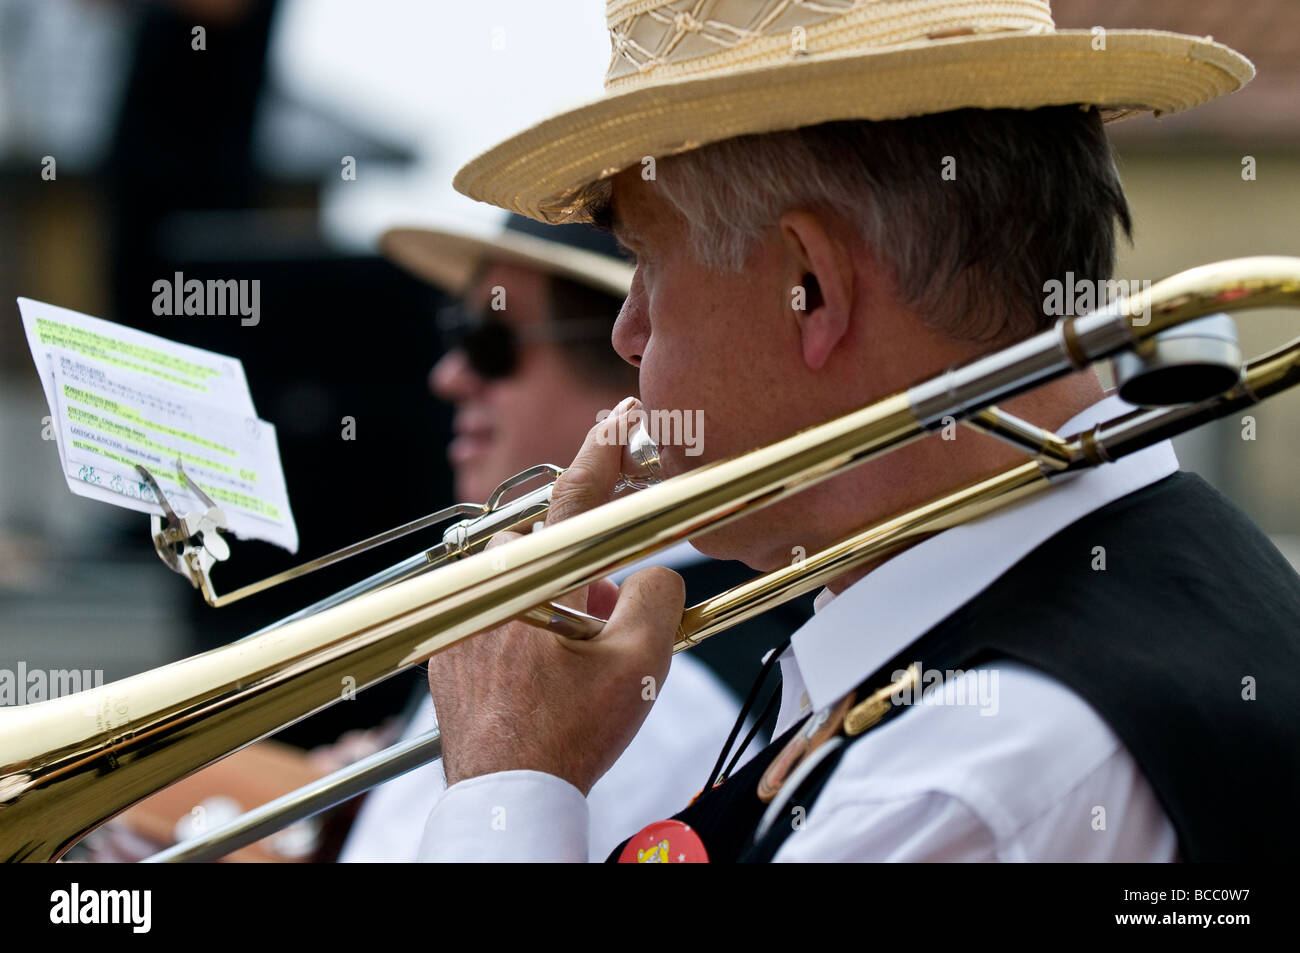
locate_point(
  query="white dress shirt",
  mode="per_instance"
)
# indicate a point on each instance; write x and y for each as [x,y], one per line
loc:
[664,767]
[1024,770]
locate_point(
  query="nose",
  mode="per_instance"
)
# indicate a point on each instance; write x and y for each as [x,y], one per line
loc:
[452,379]
[632,329]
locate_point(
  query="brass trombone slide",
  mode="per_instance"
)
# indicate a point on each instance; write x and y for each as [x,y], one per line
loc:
[68,764]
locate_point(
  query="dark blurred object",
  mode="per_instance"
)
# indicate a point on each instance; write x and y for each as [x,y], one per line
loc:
[736,656]
[184,134]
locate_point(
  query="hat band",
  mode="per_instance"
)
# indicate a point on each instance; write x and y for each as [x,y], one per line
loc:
[661,40]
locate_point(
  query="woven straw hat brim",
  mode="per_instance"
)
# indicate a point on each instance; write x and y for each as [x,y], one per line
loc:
[447,259]
[539,171]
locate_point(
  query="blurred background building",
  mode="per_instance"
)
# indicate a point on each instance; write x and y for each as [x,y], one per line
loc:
[228,162]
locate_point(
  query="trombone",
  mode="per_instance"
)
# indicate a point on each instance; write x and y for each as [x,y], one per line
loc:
[69,764]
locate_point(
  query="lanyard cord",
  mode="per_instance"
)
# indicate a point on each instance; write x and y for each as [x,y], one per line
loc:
[717,775]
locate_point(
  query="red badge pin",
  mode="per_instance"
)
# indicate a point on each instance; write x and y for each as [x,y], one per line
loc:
[665,842]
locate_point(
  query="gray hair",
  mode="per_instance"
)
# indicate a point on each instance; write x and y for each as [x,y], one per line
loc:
[1029,196]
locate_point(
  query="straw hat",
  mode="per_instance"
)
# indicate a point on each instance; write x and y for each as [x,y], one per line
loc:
[449,258]
[684,73]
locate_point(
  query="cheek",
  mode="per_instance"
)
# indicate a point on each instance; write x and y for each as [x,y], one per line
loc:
[545,412]
[680,347]
[685,369]
[516,405]
[669,374]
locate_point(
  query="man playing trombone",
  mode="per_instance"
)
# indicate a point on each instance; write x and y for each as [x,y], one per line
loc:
[527,379]
[829,204]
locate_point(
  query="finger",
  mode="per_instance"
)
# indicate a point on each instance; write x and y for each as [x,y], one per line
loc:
[590,479]
[647,616]
[602,596]
[501,538]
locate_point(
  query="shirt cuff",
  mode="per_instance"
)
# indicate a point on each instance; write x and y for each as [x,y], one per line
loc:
[509,816]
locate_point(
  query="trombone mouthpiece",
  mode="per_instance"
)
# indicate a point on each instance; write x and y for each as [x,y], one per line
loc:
[641,465]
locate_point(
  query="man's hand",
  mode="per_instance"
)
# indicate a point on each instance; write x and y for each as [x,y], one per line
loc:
[519,697]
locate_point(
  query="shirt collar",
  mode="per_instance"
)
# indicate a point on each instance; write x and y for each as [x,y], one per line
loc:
[853,634]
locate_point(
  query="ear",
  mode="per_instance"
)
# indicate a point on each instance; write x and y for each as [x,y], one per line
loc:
[822,264]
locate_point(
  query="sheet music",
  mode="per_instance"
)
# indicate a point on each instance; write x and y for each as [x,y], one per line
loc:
[119,397]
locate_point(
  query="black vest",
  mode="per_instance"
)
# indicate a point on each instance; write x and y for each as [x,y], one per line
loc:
[1195,613]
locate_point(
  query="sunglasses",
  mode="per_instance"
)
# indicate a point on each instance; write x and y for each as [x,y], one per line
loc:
[492,347]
